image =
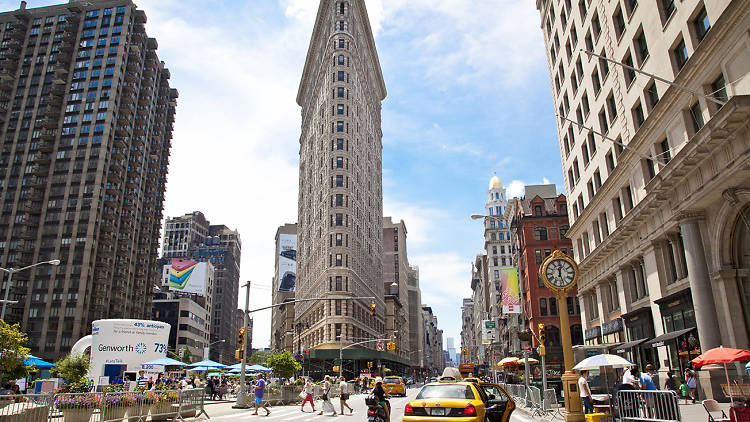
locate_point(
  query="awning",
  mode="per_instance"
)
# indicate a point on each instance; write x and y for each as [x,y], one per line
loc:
[625,347]
[610,346]
[662,339]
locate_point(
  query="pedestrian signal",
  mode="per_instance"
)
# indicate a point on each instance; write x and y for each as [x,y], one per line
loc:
[238,354]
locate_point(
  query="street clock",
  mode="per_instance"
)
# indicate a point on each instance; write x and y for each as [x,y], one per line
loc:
[559,272]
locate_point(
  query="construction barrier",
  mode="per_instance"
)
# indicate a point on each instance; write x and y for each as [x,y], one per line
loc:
[647,406]
[127,406]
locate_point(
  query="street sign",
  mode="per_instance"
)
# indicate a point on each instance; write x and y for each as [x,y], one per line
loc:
[380,347]
[489,324]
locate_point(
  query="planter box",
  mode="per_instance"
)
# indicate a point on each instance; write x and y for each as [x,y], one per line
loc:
[113,413]
[77,415]
[163,411]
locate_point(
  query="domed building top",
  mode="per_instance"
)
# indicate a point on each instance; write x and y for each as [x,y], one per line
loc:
[495,182]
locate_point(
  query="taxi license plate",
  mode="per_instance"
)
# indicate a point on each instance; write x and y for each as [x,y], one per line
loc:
[437,411]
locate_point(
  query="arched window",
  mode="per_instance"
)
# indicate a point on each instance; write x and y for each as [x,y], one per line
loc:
[543,306]
[540,233]
[538,210]
[552,306]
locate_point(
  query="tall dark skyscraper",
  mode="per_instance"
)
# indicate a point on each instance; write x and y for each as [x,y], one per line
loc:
[86,116]
[340,220]
[192,236]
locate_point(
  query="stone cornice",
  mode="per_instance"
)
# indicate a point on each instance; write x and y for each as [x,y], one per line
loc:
[653,126]
[319,31]
[688,215]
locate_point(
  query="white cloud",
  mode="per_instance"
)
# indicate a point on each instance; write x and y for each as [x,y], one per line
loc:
[515,189]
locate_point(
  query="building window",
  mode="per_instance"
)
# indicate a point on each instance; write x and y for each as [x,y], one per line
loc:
[341,43]
[340,92]
[696,116]
[701,24]
[339,181]
[340,144]
[540,233]
[341,60]
[497,274]
[339,200]
[652,95]
[338,260]
[719,88]
[680,55]
[638,117]
[619,22]
[667,8]
[552,306]
[665,152]
[340,109]
[339,219]
[339,162]
[538,210]
[543,306]
[339,237]
[339,126]
[641,47]
[538,256]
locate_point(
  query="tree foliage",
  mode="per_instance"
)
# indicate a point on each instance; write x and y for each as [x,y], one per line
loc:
[259,358]
[13,352]
[73,367]
[283,364]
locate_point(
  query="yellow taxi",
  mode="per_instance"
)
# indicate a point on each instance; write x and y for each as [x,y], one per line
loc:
[461,401]
[394,385]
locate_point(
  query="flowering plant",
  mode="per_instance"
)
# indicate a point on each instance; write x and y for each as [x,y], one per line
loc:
[160,397]
[77,401]
[119,400]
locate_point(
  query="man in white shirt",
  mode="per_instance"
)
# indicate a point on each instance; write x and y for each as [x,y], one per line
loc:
[344,395]
[629,378]
[585,392]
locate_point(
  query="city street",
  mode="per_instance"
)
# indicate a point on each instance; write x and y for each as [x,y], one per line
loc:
[225,412]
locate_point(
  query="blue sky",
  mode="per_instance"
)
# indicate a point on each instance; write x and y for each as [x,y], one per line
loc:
[468,95]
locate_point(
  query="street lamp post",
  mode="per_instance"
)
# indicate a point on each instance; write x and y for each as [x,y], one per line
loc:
[12,271]
[207,349]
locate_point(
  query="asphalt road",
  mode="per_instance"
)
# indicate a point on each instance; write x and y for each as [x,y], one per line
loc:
[224,411]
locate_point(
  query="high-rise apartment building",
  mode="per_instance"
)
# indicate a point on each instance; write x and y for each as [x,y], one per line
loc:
[340,217]
[193,237]
[416,325]
[656,172]
[87,114]
[395,285]
[433,343]
[284,332]
[468,335]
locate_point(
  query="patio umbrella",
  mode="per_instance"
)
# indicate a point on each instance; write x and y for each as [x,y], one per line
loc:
[606,360]
[165,362]
[258,368]
[722,355]
[531,361]
[201,368]
[208,362]
[508,361]
[37,363]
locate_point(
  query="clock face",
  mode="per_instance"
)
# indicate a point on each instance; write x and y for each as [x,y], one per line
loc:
[560,273]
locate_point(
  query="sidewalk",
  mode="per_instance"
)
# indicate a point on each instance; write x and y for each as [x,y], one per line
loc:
[689,412]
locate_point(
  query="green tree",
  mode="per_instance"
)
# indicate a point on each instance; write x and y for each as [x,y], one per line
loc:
[259,358]
[73,367]
[283,364]
[13,352]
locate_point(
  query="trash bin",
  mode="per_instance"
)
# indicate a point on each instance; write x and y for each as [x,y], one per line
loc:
[595,417]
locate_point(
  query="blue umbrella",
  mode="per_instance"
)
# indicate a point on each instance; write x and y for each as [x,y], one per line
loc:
[208,363]
[259,368]
[38,363]
[165,361]
[202,368]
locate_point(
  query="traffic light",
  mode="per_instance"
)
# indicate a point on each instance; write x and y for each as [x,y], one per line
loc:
[391,345]
[369,364]
[238,354]
[542,336]
[373,309]
[336,368]
[241,337]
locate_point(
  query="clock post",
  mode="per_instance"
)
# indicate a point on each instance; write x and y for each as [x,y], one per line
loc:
[560,274]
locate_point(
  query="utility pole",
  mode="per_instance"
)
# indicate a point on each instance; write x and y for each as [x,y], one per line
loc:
[242,396]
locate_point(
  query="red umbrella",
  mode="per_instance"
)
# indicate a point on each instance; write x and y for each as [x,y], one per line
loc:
[722,355]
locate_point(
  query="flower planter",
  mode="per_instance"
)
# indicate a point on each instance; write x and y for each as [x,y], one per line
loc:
[163,411]
[77,414]
[134,413]
[113,413]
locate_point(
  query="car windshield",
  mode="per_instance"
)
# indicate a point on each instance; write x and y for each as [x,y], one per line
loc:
[391,380]
[447,391]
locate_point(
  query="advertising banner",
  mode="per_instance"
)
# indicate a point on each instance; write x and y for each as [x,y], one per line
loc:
[124,344]
[511,293]
[188,276]
[287,262]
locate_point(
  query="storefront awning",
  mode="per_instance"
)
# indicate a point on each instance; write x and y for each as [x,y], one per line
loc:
[662,339]
[625,347]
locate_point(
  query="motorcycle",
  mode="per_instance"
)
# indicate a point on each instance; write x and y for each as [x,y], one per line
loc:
[375,412]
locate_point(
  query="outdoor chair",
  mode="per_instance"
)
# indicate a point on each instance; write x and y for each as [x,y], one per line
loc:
[712,407]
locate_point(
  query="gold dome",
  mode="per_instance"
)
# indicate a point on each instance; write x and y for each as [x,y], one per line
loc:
[496,183]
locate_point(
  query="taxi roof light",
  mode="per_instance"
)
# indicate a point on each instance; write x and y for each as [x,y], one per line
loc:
[408,409]
[470,409]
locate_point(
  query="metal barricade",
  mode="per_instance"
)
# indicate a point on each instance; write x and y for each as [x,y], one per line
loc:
[192,404]
[25,407]
[648,406]
[535,401]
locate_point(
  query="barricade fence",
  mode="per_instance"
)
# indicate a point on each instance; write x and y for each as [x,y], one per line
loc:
[647,406]
[128,406]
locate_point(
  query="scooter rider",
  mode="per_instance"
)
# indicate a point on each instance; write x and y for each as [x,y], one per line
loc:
[381,396]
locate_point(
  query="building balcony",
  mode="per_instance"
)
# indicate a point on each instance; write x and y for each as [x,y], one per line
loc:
[40,170]
[42,158]
[7,74]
